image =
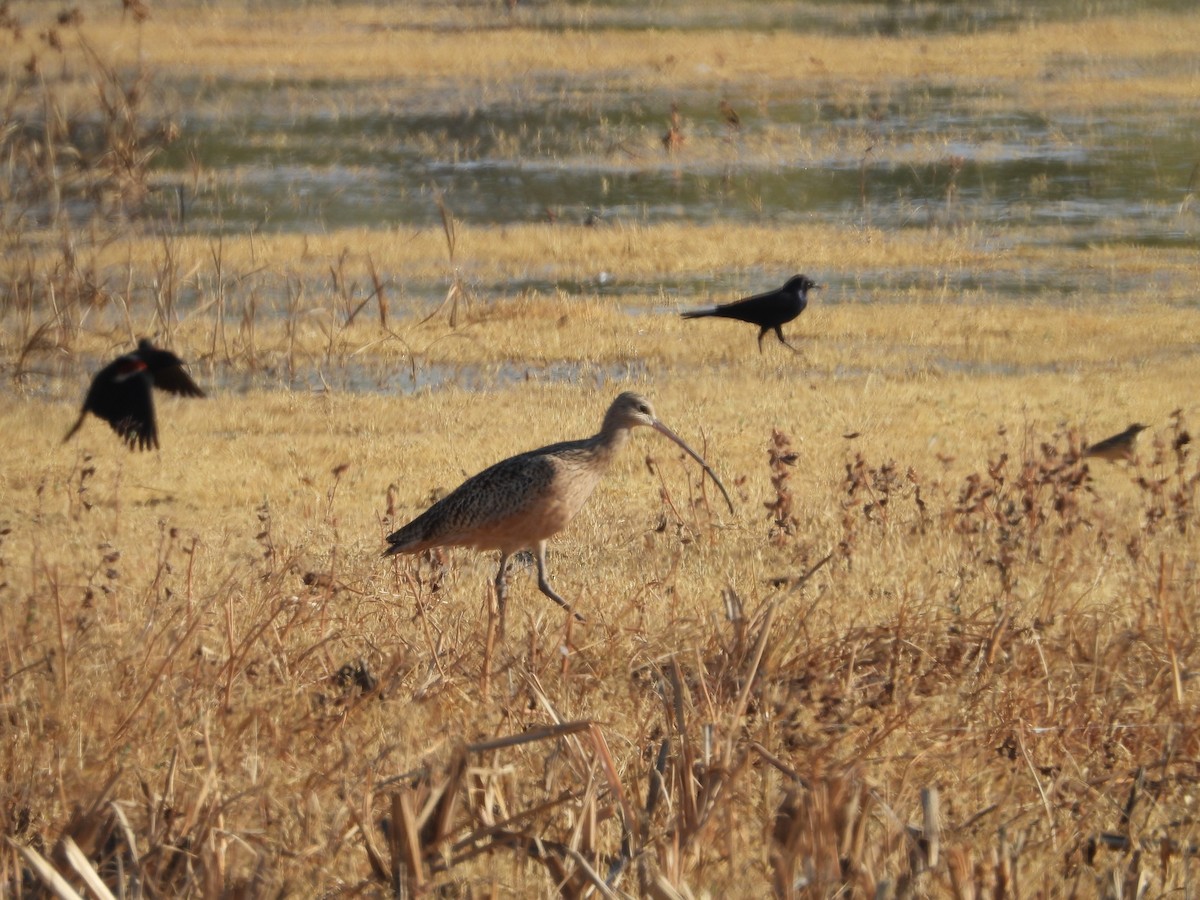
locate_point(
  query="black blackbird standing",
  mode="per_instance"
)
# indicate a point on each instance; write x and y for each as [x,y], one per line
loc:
[1117,447]
[121,393]
[768,311]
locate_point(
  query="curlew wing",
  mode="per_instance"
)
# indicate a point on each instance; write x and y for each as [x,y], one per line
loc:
[504,507]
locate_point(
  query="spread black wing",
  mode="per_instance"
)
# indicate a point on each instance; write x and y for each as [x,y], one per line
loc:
[120,394]
[167,370]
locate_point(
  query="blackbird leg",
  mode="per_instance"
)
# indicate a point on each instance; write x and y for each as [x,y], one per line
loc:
[782,340]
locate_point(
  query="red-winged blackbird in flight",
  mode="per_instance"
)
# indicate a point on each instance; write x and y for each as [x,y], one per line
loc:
[122,393]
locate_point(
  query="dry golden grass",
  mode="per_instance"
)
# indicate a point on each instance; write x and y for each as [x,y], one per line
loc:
[1051,66]
[1015,639]
[370,43]
[627,251]
[930,654]
[261,318]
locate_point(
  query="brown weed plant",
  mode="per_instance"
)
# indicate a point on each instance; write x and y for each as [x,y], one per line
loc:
[780,458]
[67,165]
[75,173]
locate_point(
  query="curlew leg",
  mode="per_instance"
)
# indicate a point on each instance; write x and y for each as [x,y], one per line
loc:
[502,588]
[544,582]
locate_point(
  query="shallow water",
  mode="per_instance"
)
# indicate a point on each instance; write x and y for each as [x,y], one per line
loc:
[929,162]
[564,153]
[319,155]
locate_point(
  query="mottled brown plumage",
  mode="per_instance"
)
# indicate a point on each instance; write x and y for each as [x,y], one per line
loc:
[521,502]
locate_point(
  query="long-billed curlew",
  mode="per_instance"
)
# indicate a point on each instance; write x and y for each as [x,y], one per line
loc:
[1117,447]
[521,502]
[121,393]
[768,311]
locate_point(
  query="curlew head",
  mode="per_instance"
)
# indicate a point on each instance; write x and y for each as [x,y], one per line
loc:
[630,410]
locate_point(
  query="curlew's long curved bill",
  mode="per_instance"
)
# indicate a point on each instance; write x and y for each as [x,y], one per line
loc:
[667,432]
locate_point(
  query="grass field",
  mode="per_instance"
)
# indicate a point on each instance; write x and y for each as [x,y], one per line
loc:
[931,653]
